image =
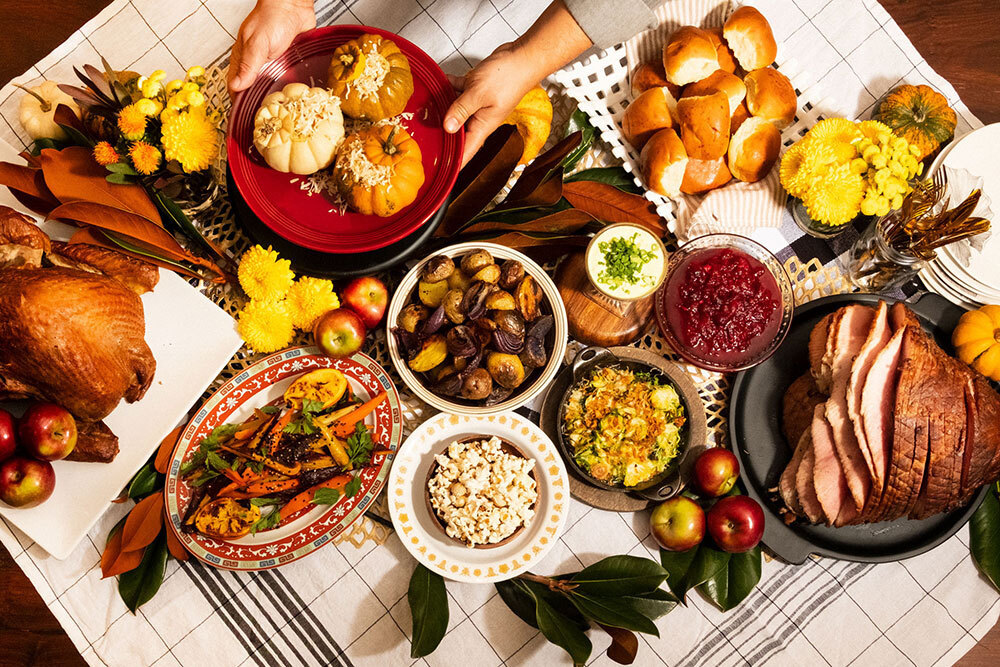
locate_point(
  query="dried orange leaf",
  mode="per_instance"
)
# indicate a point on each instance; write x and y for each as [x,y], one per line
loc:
[114,561]
[608,203]
[28,186]
[174,545]
[565,222]
[163,454]
[143,524]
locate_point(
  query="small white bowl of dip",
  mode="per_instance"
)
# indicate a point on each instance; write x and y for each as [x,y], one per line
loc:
[626,243]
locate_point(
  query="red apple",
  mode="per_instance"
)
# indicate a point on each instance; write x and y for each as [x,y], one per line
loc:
[339,333]
[716,471]
[26,482]
[367,297]
[678,524]
[47,431]
[8,443]
[736,523]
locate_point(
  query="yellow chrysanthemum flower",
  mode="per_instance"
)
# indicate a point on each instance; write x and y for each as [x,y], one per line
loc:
[195,72]
[794,178]
[145,158]
[842,151]
[266,326]
[836,199]
[308,299]
[148,106]
[132,122]
[873,129]
[263,275]
[190,138]
[105,153]
[837,129]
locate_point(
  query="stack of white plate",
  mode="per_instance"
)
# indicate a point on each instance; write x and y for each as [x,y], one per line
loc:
[973,281]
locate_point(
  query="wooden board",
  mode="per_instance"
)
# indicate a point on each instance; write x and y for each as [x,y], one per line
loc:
[594,318]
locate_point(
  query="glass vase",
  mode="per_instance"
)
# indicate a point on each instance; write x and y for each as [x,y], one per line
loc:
[875,266]
[812,227]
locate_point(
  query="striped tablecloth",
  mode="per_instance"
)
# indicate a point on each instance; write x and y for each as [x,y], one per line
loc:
[347,604]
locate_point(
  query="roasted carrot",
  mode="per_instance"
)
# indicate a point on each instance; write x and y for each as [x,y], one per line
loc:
[291,471]
[344,426]
[248,429]
[233,475]
[320,462]
[273,437]
[303,499]
[260,433]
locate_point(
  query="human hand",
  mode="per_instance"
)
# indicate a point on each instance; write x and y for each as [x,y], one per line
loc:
[266,32]
[488,93]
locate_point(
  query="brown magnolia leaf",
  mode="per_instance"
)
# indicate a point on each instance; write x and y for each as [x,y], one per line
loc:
[138,230]
[115,561]
[548,193]
[143,524]
[174,544]
[28,187]
[73,176]
[564,222]
[483,178]
[624,644]
[65,116]
[32,160]
[608,203]
[92,236]
[541,169]
[163,453]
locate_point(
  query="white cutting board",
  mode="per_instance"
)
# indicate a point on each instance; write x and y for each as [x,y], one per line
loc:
[192,340]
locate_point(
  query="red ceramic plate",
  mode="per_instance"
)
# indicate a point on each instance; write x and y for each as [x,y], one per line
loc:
[308,221]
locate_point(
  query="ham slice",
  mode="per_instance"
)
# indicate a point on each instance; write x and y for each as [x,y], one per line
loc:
[823,372]
[817,344]
[805,489]
[878,400]
[878,337]
[786,485]
[983,425]
[798,405]
[849,336]
[828,476]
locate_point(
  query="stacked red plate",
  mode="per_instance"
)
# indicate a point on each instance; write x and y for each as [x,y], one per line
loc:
[314,221]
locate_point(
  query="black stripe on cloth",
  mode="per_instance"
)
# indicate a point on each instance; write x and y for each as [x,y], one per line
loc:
[324,648]
[265,613]
[307,614]
[213,595]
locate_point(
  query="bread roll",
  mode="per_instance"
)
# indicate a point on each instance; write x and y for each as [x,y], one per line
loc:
[704,175]
[648,113]
[754,150]
[726,60]
[749,36]
[650,75]
[704,121]
[664,161]
[719,81]
[770,95]
[740,115]
[689,56]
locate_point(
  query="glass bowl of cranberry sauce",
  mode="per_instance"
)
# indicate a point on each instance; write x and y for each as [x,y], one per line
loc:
[726,303]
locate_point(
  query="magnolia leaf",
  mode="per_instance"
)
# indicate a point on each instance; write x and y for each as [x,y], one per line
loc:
[71,125]
[579,122]
[624,644]
[734,582]
[562,631]
[83,96]
[483,178]
[73,176]
[143,483]
[137,587]
[548,193]
[690,568]
[28,187]
[563,222]
[144,523]
[525,214]
[615,176]
[429,608]
[541,169]
[984,536]
[97,237]
[620,575]
[171,211]
[613,612]
[608,203]
[654,604]
[519,599]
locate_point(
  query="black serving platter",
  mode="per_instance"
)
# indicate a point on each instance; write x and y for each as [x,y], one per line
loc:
[328,264]
[755,431]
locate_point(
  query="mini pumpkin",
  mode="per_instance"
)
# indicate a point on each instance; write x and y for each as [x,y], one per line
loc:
[533,118]
[919,114]
[372,78]
[977,340]
[38,108]
[298,129]
[379,170]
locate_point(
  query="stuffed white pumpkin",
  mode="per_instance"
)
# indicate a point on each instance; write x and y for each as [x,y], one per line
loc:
[38,106]
[298,129]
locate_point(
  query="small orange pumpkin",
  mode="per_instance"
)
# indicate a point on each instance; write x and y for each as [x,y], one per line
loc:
[919,114]
[379,170]
[977,340]
[372,78]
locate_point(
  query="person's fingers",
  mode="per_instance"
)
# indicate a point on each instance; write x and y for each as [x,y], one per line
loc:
[254,54]
[234,61]
[476,131]
[457,82]
[467,104]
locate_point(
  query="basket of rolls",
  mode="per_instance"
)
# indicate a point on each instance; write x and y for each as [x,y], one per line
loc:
[704,108]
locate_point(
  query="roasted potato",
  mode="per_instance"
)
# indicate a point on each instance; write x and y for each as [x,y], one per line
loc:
[433,352]
[452,303]
[437,268]
[477,385]
[505,369]
[476,260]
[432,294]
[411,317]
[488,274]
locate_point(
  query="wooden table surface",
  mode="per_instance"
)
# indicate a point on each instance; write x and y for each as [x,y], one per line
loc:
[959,38]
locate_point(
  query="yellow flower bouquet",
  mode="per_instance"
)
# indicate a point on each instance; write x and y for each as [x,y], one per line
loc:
[842,168]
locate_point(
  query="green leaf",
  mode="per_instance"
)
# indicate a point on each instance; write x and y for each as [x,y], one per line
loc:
[652,605]
[171,211]
[733,583]
[266,522]
[213,460]
[613,612]
[121,168]
[131,247]
[324,496]
[518,598]
[429,609]
[138,586]
[270,409]
[75,136]
[562,631]
[613,176]
[620,575]
[984,535]
[352,487]
[40,144]
[265,502]
[144,482]
[360,445]
[115,528]
[689,568]
[578,122]
[117,179]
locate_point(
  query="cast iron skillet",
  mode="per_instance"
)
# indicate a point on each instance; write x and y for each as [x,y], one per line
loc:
[755,430]
[693,433]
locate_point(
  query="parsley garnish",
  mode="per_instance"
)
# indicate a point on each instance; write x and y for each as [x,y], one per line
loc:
[208,444]
[270,409]
[304,424]
[359,445]
[265,502]
[214,461]
[623,262]
[205,476]
[325,496]
[266,522]
[351,488]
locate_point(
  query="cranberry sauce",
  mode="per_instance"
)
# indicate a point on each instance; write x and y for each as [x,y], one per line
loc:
[723,305]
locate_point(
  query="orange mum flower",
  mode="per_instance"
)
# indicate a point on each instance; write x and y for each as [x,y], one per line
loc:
[132,122]
[145,158]
[105,154]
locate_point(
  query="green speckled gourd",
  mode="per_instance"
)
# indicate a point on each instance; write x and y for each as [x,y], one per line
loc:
[919,114]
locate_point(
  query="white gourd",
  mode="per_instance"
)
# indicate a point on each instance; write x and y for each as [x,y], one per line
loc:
[298,129]
[36,115]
